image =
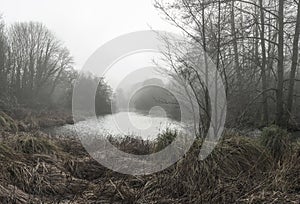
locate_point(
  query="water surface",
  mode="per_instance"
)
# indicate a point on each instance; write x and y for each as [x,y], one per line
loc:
[121,124]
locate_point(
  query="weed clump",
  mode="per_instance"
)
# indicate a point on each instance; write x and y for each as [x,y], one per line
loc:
[165,138]
[34,145]
[275,140]
[5,152]
[7,123]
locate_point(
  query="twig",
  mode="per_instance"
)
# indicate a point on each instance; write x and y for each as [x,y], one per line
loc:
[114,185]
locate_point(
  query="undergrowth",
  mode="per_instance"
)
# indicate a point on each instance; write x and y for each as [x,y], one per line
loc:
[38,169]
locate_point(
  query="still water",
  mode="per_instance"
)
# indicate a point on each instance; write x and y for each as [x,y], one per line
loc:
[134,124]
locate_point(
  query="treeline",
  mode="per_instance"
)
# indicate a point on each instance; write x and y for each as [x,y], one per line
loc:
[36,69]
[255,46]
[155,93]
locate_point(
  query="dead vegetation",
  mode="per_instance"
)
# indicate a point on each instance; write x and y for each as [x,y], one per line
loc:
[38,169]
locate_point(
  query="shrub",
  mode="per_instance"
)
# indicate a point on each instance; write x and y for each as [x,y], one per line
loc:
[165,138]
[276,140]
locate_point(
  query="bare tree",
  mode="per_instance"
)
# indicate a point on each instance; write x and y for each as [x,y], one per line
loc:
[294,63]
[39,59]
[280,66]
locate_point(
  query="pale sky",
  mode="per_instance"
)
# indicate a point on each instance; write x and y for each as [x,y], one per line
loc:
[84,25]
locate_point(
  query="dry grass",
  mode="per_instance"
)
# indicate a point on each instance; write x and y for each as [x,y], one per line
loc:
[225,176]
[276,141]
[39,169]
[29,144]
[7,123]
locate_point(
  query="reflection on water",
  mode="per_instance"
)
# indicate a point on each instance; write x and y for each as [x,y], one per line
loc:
[120,124]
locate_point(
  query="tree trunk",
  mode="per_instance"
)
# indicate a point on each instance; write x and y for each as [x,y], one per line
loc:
[206,69]
[235,48]
[263,65]
[294,65]
[280,68]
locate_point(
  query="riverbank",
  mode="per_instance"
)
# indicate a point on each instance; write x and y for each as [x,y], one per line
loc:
[37,168]
[26,120]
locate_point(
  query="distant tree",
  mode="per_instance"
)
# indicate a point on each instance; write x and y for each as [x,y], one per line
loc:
[103,94]
[37,69]
[4,54]
[119,100]
[39,60]
[103,98]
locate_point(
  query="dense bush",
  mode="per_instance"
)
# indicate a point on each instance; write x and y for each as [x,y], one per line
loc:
[276,140]
[165,138]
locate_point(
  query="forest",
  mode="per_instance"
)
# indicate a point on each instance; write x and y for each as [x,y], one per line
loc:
[37,70]
[255,47]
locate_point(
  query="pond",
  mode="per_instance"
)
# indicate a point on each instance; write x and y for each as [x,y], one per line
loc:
[134,124]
